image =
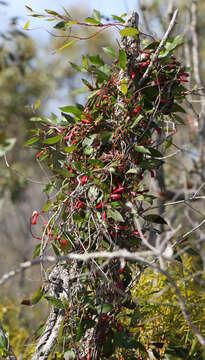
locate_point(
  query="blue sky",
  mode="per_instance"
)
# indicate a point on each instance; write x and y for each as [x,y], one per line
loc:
[17,7]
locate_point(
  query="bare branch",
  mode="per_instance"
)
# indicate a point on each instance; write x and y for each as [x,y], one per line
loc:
[156,54]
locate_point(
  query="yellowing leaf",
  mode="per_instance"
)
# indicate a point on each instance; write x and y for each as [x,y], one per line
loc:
[66,45]
[129,31]
[37,104]
[26,25]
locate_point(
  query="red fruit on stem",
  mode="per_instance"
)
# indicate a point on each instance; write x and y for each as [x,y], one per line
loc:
[84,179]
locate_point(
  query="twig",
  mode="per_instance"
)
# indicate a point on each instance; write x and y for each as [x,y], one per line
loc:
[157,52]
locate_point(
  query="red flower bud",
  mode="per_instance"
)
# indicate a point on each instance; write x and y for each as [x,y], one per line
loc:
[39,154]
[104,215]
[115,196]
[119,189]
[137,110]
[66,138]
[63,242]
[122,227]
[74,142]
[99,205]
[133,75]
[84,179]
[136,233]
[35,217]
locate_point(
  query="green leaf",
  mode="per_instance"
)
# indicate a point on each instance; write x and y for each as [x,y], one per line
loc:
[32,141]
[56,249]
[37,250]
[89,140]
[120,19]
[7,146]
[129,31]
[155,218]
[47,206]
[55,302]
[122,59]
[132,171]
[150,163]
[84,61]
[96,15]
[60,25]
[51,12]
[92,21]
[101,75]
[3,342]
[66,45]
[78,68]
[152,46]
[124,86]
[178,119]
[155,153]
[96,59]
[69,355]
[106,137]
[109,51]
[177,108]
[115,215]
[52,140]
[28,8]
[142,149]
[70,149]
[71,109]
[104,308]
[37,295]
[137,120]
[168,143]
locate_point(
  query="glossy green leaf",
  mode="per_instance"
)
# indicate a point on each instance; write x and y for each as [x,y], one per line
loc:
[60,25]
[55,302]
[115,215]
[142,149]
[37,295]
[129,31]
[109,51]
[104,308]
[132,171]
[155,218]
[52,140]
[155,153]
[32,141]
[118,18]
[96,15]
[136,121]
[92,21]
[122,59]
[71,109]
[150,163]
[78,68]
[96,59]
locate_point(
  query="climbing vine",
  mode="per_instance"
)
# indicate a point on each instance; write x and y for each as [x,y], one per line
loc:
[101,156]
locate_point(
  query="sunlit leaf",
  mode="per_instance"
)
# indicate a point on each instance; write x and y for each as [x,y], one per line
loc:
[122,59]
[110,51]
[92,21]
[129,31]
[52,140]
